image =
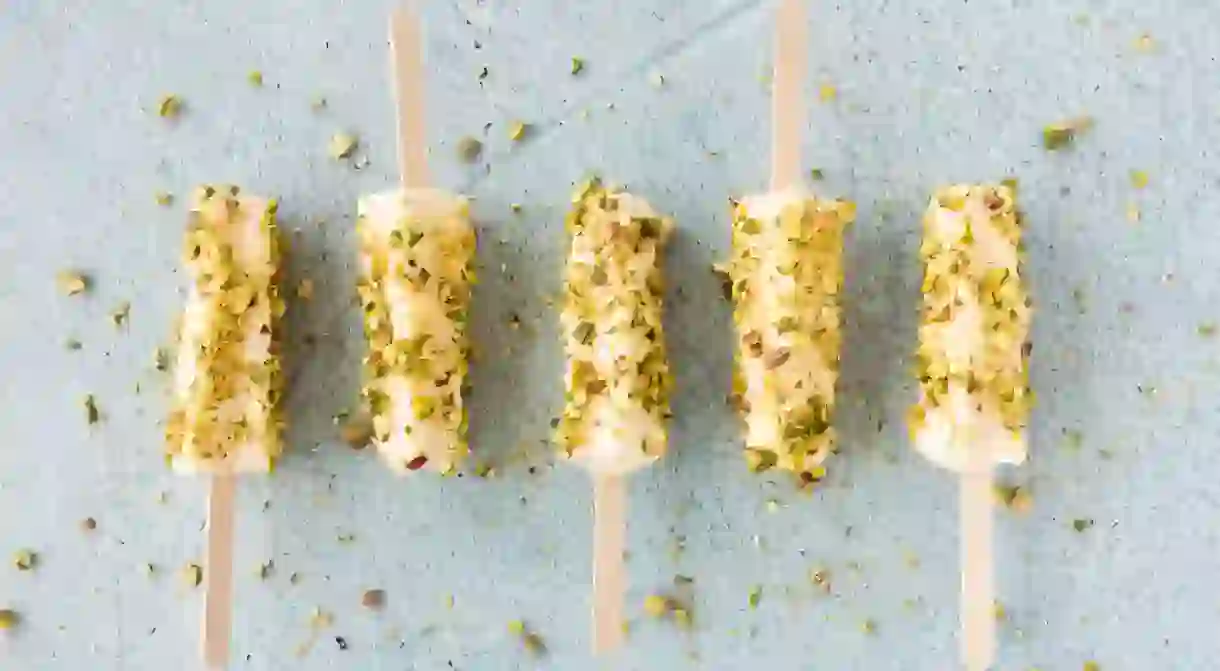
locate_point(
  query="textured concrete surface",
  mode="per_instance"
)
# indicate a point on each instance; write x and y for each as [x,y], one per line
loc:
[927,92]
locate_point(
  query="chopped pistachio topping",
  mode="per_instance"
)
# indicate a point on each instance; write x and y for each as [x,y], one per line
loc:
[9,619]
[227,381]
[972,360]
[655,605]
[357,431]
[517,130]
[469,149]
[827,92]
[784,276]
[169,107]
[578,64]
[71,283]
[416,272]
[817,175]
[164,198]
[255,77]
[1139,179]
[617,379]
[341,146]
[1082,524]
[755,597]
[515,208]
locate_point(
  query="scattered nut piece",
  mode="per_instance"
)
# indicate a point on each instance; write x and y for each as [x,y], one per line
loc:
[827,93]
[656,606]
[342,145]
[1139,179]
[469,149]
[868,626]
[92,414]
[88,524]
[578,64]
[192,575]
[265,569]
[817,175]
[1145,44]
[1082,524]
[1133,213]
[165,198]
[517,130]
[255,77]
[755,597]
[169,107]
[357,431]
[1062,134]
[71,283]
[25,560]
[9,619]
[373,599]
[119,315]
[305,289]
[515,208]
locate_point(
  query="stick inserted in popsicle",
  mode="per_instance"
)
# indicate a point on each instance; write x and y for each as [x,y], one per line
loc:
[617,380]
[416,271]
[786,273]
[973,373]
[227,380]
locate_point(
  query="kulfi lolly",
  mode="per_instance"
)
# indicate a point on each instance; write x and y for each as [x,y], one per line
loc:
[972,365]
[416,255]
[227,380]
[786,273]
[617,380]
[973,351]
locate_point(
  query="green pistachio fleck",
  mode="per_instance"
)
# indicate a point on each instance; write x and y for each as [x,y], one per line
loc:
[816,174]
[92,414]
[192,575]
[164,198]
[255,77]
[342,145]
[318,104]
[25,560]
[755,596]
[578,64]
[868,626]
[73,344]
[1139,179]
[1063,134]
[169,107]
[161,359]
[1082,524]
[655,605]
[515,208]
[469,149]
[265,569]
[71,283]
[517,130]
[1207,330]
[9,619]
[1092,666]
[120,314]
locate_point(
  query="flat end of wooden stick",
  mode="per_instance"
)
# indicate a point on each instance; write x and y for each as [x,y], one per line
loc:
[787,101]
[407,68]
[978,569]
[218,572]
[609,581]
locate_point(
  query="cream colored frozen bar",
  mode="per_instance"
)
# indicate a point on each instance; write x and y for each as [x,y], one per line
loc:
[416,255]
[973,338]
[617,380]
[227,381]
[786,272]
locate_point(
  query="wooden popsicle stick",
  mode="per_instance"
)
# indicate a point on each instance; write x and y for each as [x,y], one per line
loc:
[609,540]
[787,99]
[218,572]
[978,568]
[407,67]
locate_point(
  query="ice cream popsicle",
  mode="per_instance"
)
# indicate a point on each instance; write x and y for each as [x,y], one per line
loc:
[227,380]
[972,365]
[416,270]
[786,272]
[617,380]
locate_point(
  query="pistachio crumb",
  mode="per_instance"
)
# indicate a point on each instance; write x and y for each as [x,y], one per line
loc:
[119,315]
[1133,213]
[73,344]
[318,103]
[192,575]
[516,627]
[71,282]
[655,605]
[578,64]
[755,596]
[827,92]
[682,618]
[373,599]
[265,569]
[1145,44]
[1207,329]
[816,174]
[656,79]
[88,524]
[469,149]
[342,145]
[868,626]
[9,619]
[517,130]
[1082,524]
[1092,666]
[1001,614]
[25,560]
[1139,179]
[305,289]
[92,414]
[515,208]
[165,198]
[357,431]
[255,77]
[169,107]
[149,569]
[1062,134]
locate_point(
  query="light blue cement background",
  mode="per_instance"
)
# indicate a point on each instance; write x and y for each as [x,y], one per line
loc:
[928,92]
